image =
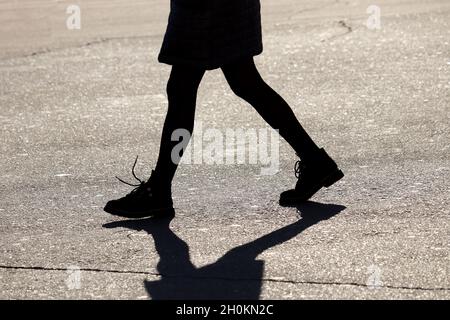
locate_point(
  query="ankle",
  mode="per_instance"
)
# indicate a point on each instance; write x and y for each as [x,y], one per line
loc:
[310,154]
[160,182]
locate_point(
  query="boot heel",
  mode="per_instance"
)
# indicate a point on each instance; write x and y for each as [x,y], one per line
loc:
[333,178]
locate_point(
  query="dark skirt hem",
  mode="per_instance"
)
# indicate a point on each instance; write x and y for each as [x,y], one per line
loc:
[209,34]
[171,60]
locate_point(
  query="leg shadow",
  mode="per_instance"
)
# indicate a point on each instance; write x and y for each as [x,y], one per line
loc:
[236,275]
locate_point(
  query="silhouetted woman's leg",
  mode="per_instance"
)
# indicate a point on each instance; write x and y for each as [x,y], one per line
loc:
[153,197]
[246,82]
[182,95]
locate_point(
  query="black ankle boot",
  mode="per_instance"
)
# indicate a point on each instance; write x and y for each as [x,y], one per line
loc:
[148,199]
[315,173]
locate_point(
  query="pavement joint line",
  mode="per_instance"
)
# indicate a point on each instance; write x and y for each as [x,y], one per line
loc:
[356,284]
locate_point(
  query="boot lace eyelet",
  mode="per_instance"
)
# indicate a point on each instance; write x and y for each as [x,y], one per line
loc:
[299,168]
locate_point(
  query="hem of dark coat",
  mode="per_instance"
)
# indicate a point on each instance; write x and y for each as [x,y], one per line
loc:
[171,60]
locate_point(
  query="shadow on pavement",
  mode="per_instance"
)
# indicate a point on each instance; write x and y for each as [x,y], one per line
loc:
[236,275]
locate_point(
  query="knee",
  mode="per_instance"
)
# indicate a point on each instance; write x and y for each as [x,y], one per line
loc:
[180,94]
[175,88]
[245,81]
[243,88]
[183,83]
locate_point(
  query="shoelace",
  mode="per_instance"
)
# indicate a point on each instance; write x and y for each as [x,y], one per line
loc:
[298,168]
[137,186]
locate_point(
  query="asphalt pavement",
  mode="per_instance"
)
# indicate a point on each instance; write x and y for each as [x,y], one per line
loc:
[77,106]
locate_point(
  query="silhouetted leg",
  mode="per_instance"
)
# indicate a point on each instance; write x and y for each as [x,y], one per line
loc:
[246,82]
[182,95]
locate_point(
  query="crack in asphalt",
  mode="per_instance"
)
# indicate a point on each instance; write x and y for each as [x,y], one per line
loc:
[107,39]
[342,24]
[311,282]
[76,46]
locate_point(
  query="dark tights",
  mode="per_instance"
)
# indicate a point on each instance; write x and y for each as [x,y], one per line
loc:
[246,82]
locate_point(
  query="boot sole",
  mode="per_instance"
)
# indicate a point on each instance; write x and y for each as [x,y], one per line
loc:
[326,182]
[162,212]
